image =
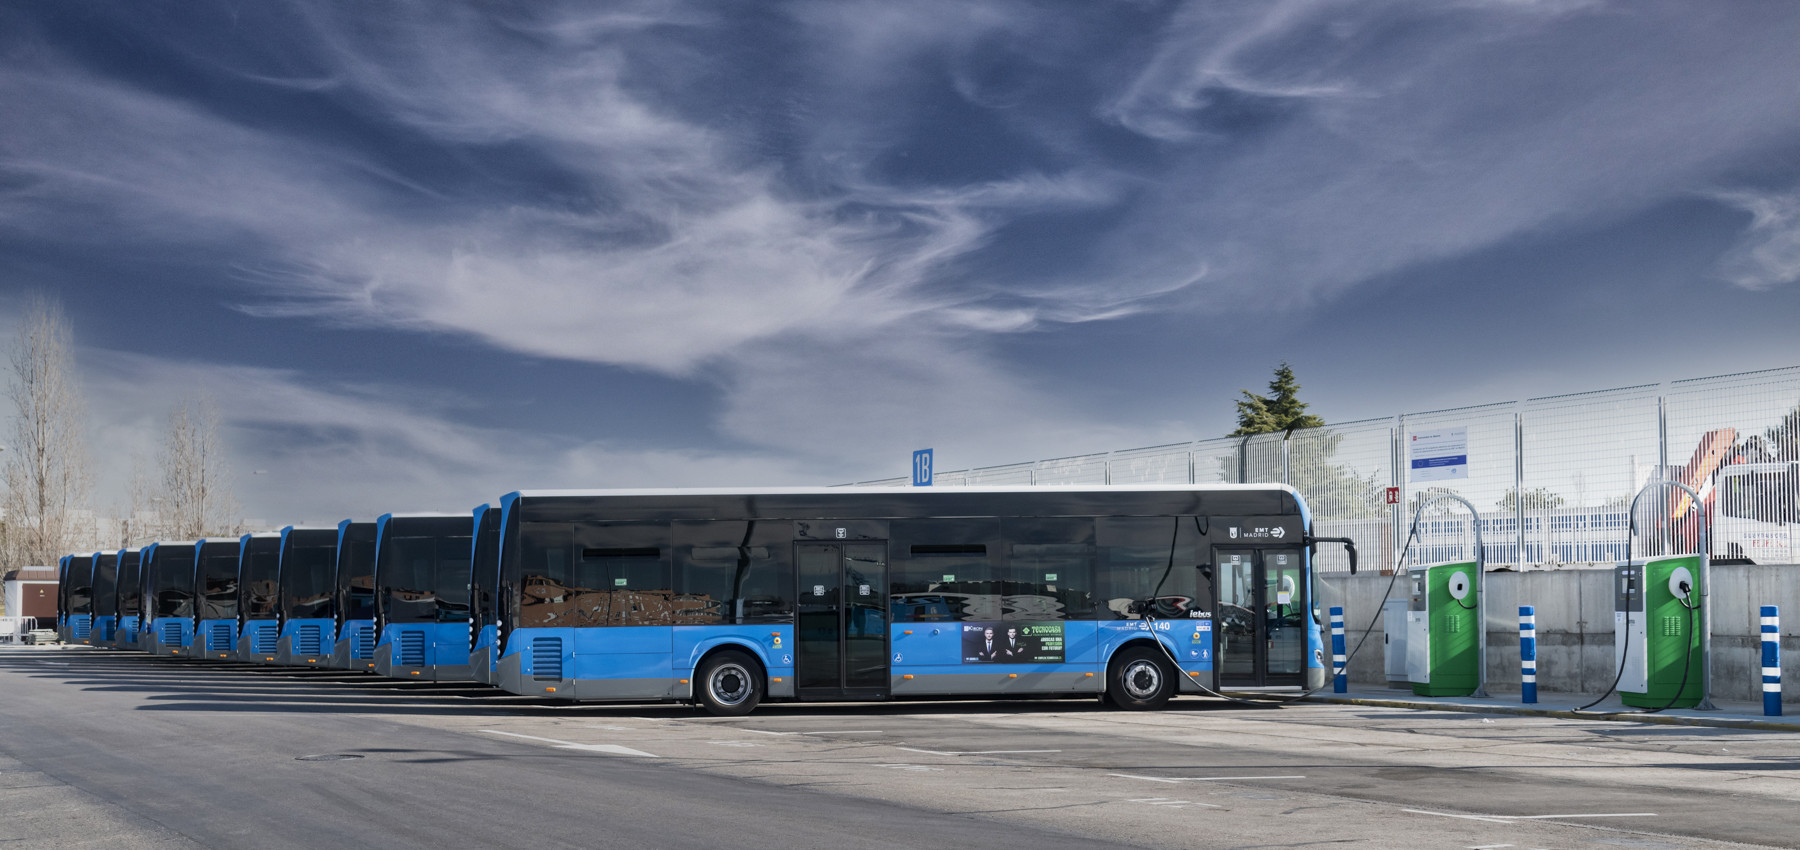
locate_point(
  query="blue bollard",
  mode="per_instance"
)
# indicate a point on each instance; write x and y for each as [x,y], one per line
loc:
[1340,678]
[1771,666]
[1527,654]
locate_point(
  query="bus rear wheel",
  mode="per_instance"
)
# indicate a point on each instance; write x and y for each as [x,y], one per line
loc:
[728,684]
[1139,679]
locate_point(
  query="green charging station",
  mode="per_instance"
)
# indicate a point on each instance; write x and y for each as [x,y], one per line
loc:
[1443,629]
[1658,621]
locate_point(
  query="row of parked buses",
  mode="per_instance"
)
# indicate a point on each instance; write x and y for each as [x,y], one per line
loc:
[730,598]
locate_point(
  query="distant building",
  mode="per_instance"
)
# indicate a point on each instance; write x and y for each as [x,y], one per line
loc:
[31,592]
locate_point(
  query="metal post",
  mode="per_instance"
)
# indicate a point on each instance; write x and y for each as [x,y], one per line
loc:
[1527,654]
[1519,483]
[1340,681]
[1771,660]
[1286,478]
[1397,514]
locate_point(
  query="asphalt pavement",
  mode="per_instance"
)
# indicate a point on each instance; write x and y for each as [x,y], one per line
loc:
[110,748]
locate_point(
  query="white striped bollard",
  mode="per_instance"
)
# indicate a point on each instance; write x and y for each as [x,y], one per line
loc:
[1527,654]
[1340,678]
[1771,666]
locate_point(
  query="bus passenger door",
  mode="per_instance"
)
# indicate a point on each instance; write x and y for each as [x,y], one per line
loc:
[841,642]
[1260,618]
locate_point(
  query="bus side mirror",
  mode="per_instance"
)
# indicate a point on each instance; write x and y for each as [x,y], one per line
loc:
[1349,547]
[1206,571]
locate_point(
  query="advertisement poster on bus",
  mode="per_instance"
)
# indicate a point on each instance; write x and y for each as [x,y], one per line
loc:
[1012,642]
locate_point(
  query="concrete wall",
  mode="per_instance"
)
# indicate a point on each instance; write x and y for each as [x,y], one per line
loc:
[1575,627]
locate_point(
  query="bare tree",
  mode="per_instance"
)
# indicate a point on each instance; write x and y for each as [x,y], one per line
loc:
[46,466]
[196,495]
[139,525]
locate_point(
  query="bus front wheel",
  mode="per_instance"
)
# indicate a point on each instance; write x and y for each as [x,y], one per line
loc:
[728,684]
[1139,679]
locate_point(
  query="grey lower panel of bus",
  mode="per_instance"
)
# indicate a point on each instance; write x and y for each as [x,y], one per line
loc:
[158,648]
[385,666]
[996,684]
[509,678]
[480,671]
[243,652]
[284,655]
[340,658]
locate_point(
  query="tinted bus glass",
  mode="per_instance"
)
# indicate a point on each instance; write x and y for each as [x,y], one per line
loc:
[261,568]
[306,574]
[171,585]
[424,571]
[356,573]
[81,585]
[596,574]
[734,572]
[216,581]
[131,591]
[106,585]
[485,575]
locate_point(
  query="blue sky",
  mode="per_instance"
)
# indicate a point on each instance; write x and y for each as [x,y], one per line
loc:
[427,253]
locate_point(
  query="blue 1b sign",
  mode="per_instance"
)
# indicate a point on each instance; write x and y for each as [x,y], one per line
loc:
[922,468]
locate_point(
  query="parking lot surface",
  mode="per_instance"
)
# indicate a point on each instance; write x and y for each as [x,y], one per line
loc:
[105,748]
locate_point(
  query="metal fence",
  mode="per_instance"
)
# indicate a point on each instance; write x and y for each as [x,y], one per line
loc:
[1550,477]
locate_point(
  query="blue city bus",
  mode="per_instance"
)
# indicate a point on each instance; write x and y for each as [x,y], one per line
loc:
[354,648]
[258,623]
[422,564]
[726,598]
[131,599]
[216,598]
[79,570]
[168,624]
[305,601]
[484,584]
[106,598]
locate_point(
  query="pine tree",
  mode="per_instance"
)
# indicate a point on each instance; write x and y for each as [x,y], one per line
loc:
[1280,410]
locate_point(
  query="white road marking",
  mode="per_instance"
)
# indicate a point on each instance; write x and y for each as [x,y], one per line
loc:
[972,752]
[1165,801]
[846,732]
[1594,815]
[571,745]
[1490,846]
[1511,818]
[911,767]
[1199,778]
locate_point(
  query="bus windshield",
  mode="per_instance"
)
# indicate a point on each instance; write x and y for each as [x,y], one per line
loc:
[262,563]
[425,579]
[306,576]
[218,580]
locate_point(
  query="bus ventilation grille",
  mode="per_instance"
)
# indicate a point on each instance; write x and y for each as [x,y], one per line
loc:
[308,640]
[83,628]
[171,634]
[362,643]
[412,649]
[218,637]
[263,639]
[546,658]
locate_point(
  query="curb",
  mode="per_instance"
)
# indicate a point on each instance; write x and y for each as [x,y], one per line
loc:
[1622,717]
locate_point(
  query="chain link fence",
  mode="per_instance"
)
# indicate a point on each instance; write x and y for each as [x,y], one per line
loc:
[1551,479]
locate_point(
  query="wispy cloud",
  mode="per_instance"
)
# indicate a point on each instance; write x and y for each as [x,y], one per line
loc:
[1768,254]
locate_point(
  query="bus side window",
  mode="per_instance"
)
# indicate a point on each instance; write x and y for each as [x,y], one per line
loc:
[1050,568]
[733,572]
[1135,557]
[946,569]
